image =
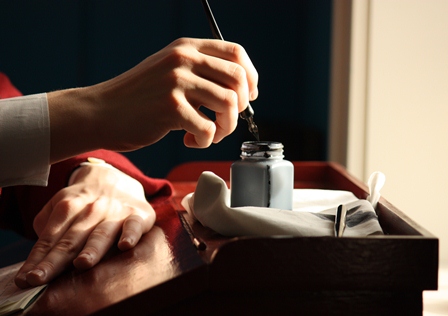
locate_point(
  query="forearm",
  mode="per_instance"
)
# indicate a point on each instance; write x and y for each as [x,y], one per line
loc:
[73,124]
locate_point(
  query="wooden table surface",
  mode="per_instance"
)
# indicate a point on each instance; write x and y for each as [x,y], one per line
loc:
[165,274]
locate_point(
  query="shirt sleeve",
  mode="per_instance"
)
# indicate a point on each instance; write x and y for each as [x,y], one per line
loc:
[24,141]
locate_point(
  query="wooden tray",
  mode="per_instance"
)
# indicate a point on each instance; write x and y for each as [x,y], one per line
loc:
[391,270]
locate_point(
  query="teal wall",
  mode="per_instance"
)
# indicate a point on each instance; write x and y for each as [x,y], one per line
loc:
[51,44]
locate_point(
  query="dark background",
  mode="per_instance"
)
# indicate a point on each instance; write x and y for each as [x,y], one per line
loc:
[52,44]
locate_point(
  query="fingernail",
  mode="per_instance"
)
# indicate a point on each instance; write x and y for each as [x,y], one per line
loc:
[85,255]
[127,240]
[21,277]
[37,272]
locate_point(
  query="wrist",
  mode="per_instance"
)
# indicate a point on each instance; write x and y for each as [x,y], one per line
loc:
[92,162]
[72,123]
[102,174]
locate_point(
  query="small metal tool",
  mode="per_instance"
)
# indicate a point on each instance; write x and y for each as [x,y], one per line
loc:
[198,243]
[340,220]
[248,113]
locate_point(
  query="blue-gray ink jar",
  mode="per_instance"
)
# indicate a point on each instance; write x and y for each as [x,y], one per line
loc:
[262,177]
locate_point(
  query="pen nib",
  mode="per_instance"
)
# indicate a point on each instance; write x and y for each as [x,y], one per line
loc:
[253,128]
[248,115]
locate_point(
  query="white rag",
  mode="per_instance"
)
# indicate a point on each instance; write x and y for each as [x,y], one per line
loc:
[313,213]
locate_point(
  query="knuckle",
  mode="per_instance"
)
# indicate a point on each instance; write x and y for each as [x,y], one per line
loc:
[66,246]
[175,103]
[177,78]
[98,206]
[179,56]
[239,73]
[134,220]
[92,251]
[239,76]
[66,207]
[93,208]
[100,233]
[238,51]
[230,97]
[47,265]
[63,208]
[181,41]
[43,245]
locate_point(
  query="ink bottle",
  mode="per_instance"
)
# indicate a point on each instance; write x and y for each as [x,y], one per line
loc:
[262,177]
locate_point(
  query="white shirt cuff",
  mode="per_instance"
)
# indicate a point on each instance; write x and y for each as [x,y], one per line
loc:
[24,141]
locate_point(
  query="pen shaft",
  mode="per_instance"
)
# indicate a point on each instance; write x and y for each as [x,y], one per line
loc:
[211,19]
[248,112]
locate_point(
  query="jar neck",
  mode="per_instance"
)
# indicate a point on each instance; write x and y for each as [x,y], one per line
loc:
[262,150]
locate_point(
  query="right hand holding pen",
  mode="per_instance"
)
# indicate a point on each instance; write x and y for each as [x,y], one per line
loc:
[164,93]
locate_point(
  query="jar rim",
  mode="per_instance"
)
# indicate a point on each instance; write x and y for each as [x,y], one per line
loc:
[262,149]
[262,145]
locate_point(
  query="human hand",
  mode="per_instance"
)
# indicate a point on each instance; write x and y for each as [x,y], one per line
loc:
[82,221]
[162,93]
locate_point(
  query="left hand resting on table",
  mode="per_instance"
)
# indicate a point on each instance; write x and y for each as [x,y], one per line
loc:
[82,221]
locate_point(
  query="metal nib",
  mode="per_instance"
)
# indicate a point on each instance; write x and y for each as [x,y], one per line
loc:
[248,115]
[253,128]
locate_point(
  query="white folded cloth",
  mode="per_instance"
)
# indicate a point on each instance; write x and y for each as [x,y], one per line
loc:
[313,214]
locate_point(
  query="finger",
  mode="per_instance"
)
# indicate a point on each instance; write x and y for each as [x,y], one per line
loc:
[58,258]
[200,129]
[98,243]
[58,223]
[225,124]
[226,74]
[223,101]
[53,253]
[232,52]
[133,228]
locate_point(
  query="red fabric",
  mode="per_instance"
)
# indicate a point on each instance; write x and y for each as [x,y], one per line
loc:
[19,204]
[7,90]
